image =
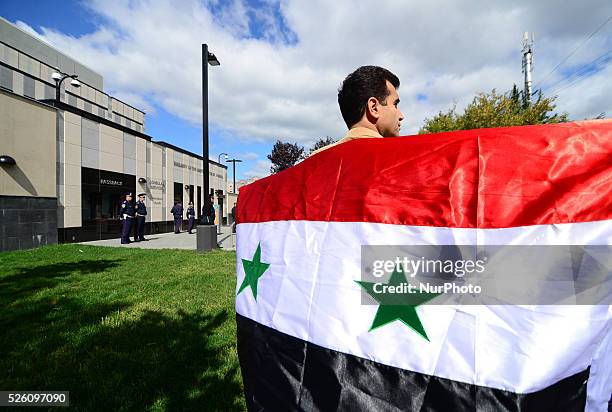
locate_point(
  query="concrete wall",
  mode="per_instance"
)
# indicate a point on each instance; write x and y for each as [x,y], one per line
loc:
[28,200]
[27,133]
[27,222]
[69,169]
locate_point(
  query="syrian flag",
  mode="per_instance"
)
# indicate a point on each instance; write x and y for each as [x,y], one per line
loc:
[306,341]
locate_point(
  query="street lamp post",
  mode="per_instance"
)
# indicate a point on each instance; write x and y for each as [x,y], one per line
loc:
[207,234]
[234,161]
[219,157]
[59,78]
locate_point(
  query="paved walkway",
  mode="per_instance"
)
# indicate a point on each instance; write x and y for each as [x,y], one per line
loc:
[182,240]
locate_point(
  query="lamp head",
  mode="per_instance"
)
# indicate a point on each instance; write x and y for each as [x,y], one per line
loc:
[56,76]
[7,160]
[75,83]
[212,60]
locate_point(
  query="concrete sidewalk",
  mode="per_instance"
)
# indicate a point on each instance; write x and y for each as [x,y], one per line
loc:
[170,240]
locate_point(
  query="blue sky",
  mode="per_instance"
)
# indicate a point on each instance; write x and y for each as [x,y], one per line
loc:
[283,61]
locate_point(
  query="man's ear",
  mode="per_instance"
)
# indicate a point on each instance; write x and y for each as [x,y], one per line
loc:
[373,108]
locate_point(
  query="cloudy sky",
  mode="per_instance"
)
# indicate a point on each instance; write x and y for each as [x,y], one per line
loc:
[282,62]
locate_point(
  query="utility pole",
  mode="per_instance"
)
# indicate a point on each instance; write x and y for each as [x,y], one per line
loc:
[234,161]
[207,234]
[527,65]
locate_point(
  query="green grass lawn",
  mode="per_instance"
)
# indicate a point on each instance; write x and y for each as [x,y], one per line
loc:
[121,329]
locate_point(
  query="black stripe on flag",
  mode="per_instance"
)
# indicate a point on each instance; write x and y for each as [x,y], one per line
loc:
[273,365]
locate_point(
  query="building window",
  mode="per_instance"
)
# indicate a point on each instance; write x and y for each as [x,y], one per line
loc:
[87,106]
[199,205]
[100,112]
[28,87]
[6,78]
[178,192]
[72,101]
[49,92]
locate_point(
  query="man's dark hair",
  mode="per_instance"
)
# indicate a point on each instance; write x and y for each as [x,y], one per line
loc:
[359,86]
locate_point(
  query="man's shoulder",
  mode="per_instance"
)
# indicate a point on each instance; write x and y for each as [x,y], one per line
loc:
[319,150]
[352,134]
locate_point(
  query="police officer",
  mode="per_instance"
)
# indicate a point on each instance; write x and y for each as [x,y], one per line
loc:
[177,212]
[127,214]
[141,216]
[190,217]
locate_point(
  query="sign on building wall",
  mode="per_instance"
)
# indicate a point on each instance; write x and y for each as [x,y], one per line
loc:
[157,184]
[188,167]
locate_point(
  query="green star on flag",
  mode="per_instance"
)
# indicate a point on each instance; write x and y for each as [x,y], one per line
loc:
[253,270]
[389,310]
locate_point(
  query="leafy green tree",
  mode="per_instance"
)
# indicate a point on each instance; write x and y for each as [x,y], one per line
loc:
[321,143]
[284,155]
[496,110]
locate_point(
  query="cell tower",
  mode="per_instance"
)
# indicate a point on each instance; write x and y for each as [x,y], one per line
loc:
[527,64]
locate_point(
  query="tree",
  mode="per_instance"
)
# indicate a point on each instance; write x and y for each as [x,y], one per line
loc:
[284,155]
[322,143]
[496,110]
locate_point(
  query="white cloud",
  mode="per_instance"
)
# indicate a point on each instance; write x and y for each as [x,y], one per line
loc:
[248,156]
[268,89]
[260,169]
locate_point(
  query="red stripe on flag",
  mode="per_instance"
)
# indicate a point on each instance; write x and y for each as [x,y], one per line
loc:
[485,178]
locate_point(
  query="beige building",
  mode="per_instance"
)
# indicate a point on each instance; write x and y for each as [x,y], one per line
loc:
[28,203]
[83,152]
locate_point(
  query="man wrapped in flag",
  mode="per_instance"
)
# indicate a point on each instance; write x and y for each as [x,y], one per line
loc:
[307,340]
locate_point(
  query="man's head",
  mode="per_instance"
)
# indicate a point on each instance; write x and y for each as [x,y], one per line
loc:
[141,197]
[128,196]
[368,97]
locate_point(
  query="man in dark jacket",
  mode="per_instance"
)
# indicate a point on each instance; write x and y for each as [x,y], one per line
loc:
[233,213]
[126,214]
[177,212]
[190,217]
[141,216]
[208,212]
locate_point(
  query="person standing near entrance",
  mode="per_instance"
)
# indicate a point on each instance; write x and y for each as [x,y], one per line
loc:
[233,214]
[127,214]
[141,216]
[208,212]
[177,212]
[190,217]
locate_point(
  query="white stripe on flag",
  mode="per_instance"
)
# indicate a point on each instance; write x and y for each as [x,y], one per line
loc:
[309,292]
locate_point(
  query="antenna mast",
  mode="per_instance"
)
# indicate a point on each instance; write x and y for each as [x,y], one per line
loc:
[527,65]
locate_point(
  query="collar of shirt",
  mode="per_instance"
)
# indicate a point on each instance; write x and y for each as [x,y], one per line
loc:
[358,132]
[352,134]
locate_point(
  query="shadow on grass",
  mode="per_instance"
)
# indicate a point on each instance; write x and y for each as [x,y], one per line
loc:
[158,361]
[168,363]
[112,356]
[31,279]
